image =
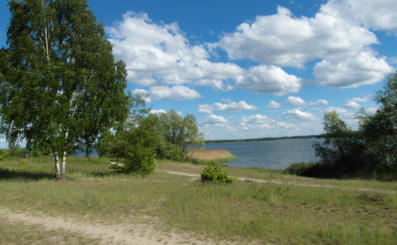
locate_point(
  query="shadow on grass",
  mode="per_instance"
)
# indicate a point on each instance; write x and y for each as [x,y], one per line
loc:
[6,174]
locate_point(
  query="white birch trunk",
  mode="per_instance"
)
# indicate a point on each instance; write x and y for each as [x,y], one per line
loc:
[57,167]
[63,169]
[63,163]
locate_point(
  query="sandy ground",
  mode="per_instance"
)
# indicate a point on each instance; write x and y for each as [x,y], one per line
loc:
[280,182]
[139,234]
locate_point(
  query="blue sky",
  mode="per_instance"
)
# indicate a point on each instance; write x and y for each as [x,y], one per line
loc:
[249,69]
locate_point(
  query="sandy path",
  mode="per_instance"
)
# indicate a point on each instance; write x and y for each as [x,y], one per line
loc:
[107,234]
[279,182]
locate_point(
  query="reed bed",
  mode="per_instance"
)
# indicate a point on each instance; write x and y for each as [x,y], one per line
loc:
[206,157]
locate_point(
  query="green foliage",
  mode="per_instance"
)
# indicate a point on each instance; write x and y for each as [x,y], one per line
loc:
[217,174]
[60,87]
[371,151]
[298,168]
[3,155]
[176,134]
[135,147]
[167,150]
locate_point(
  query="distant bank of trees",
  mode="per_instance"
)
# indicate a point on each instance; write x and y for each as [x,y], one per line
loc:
[370,151]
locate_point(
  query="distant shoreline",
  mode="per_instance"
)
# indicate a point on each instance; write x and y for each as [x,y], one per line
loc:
[263,139]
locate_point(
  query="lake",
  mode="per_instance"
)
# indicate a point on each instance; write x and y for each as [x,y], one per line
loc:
[272,154]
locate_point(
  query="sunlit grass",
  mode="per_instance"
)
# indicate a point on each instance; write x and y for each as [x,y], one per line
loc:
[241,211]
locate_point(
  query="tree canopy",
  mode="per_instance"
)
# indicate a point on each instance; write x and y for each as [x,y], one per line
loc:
[370,151]
[60,85]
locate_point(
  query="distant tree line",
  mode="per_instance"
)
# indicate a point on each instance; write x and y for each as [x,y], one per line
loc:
[370,151]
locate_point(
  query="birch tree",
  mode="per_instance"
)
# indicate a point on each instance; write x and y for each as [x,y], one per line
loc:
[60,85]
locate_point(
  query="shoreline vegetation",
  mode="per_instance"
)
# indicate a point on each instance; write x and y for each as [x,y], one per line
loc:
[207,157]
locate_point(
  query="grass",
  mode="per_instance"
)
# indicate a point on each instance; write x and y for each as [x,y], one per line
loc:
[241,211]
[23,234]
[206,157]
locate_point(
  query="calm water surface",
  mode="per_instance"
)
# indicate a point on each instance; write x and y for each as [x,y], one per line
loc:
[273,154]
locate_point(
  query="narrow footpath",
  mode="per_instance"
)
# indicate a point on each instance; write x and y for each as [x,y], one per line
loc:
[126,234]
[281,182]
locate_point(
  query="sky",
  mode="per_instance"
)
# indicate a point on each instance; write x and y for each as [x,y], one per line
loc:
[250,69]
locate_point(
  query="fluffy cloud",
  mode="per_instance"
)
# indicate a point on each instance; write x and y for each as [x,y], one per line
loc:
[298,115]
[300,102]
[160,111]
[269,79]
[377,15]
[274,105]
[363,69]
[343,46]
[317,102]
[229,107]
[284,125]
[361,100]
[214,120]
[160,54]
[256,121]
[353,105]
[234,106]
[173,93]
[341,111]
[206,109]
[295,100]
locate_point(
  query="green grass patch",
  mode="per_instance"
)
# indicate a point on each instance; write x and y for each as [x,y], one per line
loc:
[23,234]
[240,211]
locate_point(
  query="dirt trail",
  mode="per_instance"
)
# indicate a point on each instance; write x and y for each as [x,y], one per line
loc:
[279,182]
[106,234]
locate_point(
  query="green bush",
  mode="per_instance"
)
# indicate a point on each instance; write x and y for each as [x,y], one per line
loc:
[166,150]
[135,148]
[298,168]
[216,174]
[3,155]
[140,161]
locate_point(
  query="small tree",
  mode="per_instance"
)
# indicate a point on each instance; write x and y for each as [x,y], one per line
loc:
[176,134]
[60,87]
[135,147]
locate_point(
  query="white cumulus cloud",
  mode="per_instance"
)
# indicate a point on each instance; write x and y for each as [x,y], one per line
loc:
[298,115]
[256,121]
[295,100]
[158,54]
[353,105]
[269,79]
[317,102]
[159,111]
[230,106]
[214,120]
[173,93]
[377,15]
[343,46]
[274,105]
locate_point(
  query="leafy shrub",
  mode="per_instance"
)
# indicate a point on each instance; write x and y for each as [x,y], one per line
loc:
[18,152]
[3,155]
[215,173]
[298,168]
[135,148]
[166,150]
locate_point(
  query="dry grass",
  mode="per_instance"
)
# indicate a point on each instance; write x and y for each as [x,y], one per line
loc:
[208,155]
